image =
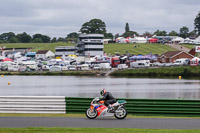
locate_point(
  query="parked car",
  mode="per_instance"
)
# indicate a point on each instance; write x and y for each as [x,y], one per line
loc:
[168,64]
[55,69]
[122,66]
[97,67]
[158,64]
[45,68]
[64,68]
[84,67]
[71,68]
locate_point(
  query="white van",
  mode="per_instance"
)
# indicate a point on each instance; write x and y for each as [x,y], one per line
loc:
[105,66]
[181,62]
[85,67]
[13,67]
[140,64]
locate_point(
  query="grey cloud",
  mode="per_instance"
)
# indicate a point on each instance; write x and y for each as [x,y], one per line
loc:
[60,17]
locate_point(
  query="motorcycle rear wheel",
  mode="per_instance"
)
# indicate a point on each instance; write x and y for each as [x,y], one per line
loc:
[91,114]
[120,113]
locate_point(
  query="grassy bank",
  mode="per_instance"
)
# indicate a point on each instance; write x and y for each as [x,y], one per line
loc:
[190,46]
[92,130]
[185,72]
[143,48]
[111,49]
[36,46]
[47,73]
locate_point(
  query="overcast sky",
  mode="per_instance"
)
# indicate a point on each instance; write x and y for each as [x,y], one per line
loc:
[60,17]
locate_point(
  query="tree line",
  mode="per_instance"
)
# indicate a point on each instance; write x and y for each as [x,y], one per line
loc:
[96,26]
[10,37]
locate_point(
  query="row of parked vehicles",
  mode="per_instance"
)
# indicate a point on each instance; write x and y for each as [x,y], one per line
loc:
[52,66]
[178,62]
[72,65]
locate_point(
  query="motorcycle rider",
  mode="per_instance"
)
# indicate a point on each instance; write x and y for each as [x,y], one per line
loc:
[109,99]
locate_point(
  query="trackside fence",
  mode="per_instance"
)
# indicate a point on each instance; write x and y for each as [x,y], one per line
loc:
[62,105]
[155,107]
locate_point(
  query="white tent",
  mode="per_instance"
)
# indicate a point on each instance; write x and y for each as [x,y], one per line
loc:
[178,39]
[197,40]
[139,40]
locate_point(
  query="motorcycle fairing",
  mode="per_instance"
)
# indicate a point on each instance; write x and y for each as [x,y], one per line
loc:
[102,111]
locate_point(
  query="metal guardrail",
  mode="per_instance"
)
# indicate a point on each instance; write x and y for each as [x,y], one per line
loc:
[32,104]
[159,107]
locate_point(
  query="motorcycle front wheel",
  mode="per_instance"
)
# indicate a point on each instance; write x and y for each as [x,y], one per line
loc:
[91,114]
[120,113]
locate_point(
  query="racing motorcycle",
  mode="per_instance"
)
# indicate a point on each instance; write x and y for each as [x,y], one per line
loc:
[98,109]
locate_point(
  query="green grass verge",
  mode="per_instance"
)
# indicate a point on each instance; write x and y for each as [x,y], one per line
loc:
[80,115]
[111,49]
[36,46]
[185,72]
[92,130]
[143,48]
[190,46]
[47,73]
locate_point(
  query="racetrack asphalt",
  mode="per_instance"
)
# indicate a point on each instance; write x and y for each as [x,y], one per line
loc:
[143,123]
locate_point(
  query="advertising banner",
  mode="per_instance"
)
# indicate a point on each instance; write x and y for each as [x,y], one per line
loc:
[197,49]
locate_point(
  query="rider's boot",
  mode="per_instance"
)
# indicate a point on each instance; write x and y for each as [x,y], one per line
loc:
[110,108]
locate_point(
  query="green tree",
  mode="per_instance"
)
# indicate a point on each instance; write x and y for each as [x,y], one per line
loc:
[24,37]
[197,23]
[130,33]
[61,39]
[147,34]
[160,33]
[7,36]
[54,40]
[117,35]
[184,32]
[108,36]
[72,36]
[13,40]
[94,26]
[37,40]
[193,33]
[37,36]
[173,33]
[127,28]
[44,38]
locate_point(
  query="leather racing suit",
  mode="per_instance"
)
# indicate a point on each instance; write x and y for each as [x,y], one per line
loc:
[109,99]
